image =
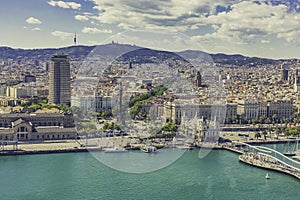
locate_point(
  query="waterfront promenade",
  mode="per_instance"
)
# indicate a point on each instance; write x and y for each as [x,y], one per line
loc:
[126,142]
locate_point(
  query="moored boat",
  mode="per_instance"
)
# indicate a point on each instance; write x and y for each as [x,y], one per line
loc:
[115,150]
[289,152]
[148,149]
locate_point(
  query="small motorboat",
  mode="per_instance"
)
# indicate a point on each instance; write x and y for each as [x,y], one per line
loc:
[148,149]
[115,150]
[267,176]
[289,153]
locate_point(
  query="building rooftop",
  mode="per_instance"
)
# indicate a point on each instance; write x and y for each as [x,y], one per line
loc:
[25,115]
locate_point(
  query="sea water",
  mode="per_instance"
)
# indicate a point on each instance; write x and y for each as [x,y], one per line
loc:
[72,176]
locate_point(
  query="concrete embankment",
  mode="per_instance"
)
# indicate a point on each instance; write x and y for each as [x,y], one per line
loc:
[22,152]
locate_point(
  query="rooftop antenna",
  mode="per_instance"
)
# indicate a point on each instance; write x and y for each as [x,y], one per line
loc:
[75,39]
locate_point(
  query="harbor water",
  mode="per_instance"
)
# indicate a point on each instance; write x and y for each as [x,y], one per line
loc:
[74,176]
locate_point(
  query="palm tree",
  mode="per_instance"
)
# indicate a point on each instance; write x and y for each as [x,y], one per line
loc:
[264,133]
[277,131]
[257,135]
[270,129]
[262,119]
[274,118]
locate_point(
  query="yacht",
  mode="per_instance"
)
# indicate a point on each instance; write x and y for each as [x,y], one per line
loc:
[148,149]
[115,150]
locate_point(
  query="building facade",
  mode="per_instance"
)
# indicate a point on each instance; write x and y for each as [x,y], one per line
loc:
[174,112]
[297,81]
[21,91]
[93,103]
[250,109]
[39,126]
[59,80]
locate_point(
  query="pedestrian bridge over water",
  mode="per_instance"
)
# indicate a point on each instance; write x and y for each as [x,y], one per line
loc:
[265,157]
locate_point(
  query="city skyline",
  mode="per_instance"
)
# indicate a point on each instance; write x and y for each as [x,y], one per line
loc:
[253,28]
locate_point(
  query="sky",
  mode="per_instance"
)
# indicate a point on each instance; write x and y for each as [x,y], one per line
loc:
[263,28]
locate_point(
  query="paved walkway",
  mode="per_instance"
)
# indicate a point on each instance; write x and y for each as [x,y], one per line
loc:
[268,162]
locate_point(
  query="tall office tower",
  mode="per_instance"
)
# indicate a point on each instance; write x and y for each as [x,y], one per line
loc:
[285,73]
[46,66]
[198,79]
[297,81]
[59,84]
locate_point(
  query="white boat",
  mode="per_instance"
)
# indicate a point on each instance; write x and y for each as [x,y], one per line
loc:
[115,150]
[291,153]
[185,147]
[148,149]
[267,176]
[296,157]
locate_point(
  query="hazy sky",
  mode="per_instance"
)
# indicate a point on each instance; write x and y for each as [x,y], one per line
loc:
[268,28]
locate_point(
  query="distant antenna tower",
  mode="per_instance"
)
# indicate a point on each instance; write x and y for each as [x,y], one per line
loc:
[75,39]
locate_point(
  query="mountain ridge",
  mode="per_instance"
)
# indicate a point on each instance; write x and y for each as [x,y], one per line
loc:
[115,49]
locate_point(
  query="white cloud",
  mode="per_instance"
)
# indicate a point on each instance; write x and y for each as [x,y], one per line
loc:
[94,23]
[171,15]
[249,22]
[238,21]
[62,35]
[95,30]
[81,18]
[32,20]
[265,41]
[65,4]
[36,29]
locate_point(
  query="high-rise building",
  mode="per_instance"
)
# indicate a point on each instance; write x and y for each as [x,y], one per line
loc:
[297,81]
[46,66]
[284,73]
[59,83]
[198,79]
[29,78]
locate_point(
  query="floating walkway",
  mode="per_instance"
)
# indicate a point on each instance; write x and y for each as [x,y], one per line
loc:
[269,162]
[265,157]
[234,149]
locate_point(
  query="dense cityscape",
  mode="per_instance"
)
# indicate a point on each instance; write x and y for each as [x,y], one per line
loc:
[256,93]
[111,99]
